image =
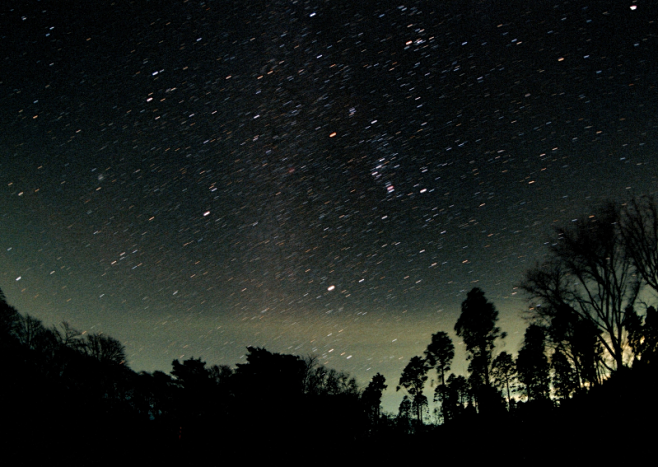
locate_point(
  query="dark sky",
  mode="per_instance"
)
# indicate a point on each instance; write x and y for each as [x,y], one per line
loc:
[315,177]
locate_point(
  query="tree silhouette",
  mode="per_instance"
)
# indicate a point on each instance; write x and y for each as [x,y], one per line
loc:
[193,396]
[404,414]
[220,374]
[68,336]
[639,231]
[372,397]
[589,278]
[269,377]
[439,355]
[454,396]
[578,340]
[9,326]
[565,378]
[649,346]
[32,333]
[413,380]
[191,373]
[9,319]
[503,372]
[643,336]
[532,364]
[463,391]
[105,349]
[477,327]
[319,380]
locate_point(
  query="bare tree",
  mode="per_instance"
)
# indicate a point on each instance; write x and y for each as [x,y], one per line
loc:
[9,320]
[105,348]
[67,336]
[31,332]
[589,278]
[639,230]
[319,380]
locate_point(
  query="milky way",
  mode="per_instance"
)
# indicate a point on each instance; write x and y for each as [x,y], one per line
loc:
[323,178]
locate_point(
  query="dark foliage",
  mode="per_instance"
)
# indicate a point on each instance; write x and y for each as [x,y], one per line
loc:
[372,399]
[477,327]
[413,380]
[532,364]
[76,392]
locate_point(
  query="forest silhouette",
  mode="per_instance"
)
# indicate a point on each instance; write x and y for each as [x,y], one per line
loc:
[580,389]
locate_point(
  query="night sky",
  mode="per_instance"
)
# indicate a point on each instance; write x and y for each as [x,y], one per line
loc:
[315,177]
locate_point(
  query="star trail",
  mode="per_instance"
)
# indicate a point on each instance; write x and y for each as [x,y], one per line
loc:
[317,177]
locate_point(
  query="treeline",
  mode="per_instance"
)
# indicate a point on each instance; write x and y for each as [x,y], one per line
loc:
[586,369]
[586,372]
[587,322]
[76,389]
